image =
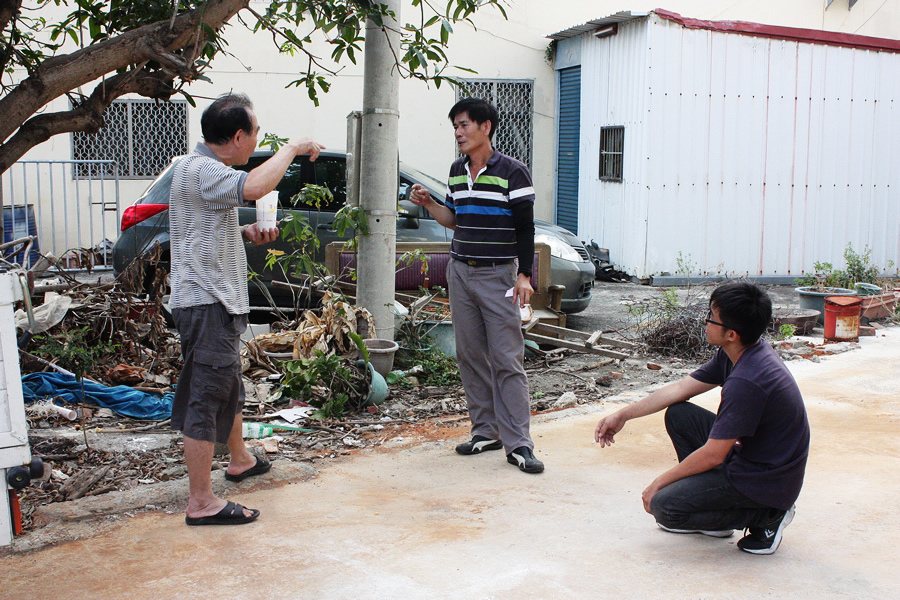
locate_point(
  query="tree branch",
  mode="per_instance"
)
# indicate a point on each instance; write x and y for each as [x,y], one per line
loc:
[8,10]
[61,74]
[87,117]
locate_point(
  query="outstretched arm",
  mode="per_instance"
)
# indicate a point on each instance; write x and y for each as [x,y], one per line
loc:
[263,179]
[664,397]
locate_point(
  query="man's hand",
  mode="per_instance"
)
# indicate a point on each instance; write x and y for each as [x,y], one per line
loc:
[308,146]
[419,195]
[608,427]
[647,495]
[522,291]
[253,234]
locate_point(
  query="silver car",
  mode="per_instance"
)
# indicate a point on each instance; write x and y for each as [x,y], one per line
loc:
[146,222]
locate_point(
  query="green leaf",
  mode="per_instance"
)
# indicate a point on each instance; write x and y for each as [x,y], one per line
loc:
[446,30]
[94,28]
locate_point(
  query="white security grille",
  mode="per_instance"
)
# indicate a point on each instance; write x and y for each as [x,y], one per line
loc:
[142,136]
[514,101]
[612,147]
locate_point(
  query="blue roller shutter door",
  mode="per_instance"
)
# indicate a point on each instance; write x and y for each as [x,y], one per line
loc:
[567,149]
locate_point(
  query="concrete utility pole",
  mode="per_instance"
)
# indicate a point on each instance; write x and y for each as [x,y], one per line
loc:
[378,172]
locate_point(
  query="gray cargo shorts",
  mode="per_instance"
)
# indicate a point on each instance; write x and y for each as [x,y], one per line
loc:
[210,390]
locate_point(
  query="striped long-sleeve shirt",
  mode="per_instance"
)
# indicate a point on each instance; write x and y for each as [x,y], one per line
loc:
[487,227]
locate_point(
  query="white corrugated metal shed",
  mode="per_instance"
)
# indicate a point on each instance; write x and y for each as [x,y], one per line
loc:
[749,149]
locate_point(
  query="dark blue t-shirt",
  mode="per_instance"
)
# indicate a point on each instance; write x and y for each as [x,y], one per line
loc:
[762,408]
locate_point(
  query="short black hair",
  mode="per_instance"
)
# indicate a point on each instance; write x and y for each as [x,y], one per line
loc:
[479,110]
[744,307]
[227,115]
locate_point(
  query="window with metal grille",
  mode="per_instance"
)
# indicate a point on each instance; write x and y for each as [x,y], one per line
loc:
[142,136]
[612,143]
[514,100]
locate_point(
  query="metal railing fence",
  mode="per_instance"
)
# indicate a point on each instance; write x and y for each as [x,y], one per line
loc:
[66,206]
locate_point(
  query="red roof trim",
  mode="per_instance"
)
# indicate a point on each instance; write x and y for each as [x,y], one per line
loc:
[812,36]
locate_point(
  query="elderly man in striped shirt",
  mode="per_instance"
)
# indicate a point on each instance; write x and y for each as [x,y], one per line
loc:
[209,299]
[490,207]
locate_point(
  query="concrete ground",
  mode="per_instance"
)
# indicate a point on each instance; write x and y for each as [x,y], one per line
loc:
[417,521]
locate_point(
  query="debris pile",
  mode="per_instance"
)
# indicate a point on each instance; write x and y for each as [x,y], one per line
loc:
[109,336]
[796,349]
[682,335]
[327,332]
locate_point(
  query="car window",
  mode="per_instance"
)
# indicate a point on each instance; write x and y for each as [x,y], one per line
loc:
[332,172]
[290,185]
[434,185]
[158,192]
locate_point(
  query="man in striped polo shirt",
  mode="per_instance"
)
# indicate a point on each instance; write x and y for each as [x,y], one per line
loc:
[490,207]
[209,299]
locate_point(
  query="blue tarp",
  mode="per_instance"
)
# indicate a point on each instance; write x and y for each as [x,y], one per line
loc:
[122,399]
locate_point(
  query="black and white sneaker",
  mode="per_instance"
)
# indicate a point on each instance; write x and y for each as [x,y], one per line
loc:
[765,540]
[477,445]
[723,533]
[524,458]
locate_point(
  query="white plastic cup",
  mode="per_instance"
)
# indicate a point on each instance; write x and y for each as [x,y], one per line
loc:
[267,212]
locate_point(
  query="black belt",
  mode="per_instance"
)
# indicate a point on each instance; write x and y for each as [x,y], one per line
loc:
[481,262]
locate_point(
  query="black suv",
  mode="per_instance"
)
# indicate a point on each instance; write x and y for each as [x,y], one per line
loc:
[146,221]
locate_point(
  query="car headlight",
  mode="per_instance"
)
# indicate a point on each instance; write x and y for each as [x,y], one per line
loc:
[558,248]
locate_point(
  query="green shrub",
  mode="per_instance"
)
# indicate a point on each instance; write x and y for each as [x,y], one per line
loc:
[859,270]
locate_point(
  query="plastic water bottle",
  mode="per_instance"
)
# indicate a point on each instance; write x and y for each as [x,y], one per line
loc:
[256,430]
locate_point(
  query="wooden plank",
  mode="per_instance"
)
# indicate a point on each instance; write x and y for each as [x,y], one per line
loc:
[563,331]
[542,339]
[593,339]
[530,325]
[608,341]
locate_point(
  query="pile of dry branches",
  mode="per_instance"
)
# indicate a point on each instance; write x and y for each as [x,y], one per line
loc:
[681,335]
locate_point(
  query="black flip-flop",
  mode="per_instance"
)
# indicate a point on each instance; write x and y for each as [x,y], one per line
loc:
[262,465]
[232,514]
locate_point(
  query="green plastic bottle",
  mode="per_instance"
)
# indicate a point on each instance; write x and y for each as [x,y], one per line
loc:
[256,430]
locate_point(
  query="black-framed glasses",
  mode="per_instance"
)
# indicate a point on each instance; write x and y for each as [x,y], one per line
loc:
[710,321]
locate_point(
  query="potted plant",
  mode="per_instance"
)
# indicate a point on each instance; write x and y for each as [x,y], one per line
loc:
[424,324]
[827,281]
[875,302]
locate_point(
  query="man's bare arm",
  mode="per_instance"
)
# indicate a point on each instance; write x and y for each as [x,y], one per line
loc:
[263,179]
[664,397]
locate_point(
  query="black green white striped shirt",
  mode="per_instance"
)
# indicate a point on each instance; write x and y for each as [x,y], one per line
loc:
[486,225]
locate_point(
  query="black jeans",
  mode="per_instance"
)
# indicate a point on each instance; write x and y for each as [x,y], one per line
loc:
[705,501]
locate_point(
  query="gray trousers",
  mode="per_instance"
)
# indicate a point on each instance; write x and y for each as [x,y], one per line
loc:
[490,351]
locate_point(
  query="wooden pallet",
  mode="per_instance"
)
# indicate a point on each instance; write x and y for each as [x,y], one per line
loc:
[562,337]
